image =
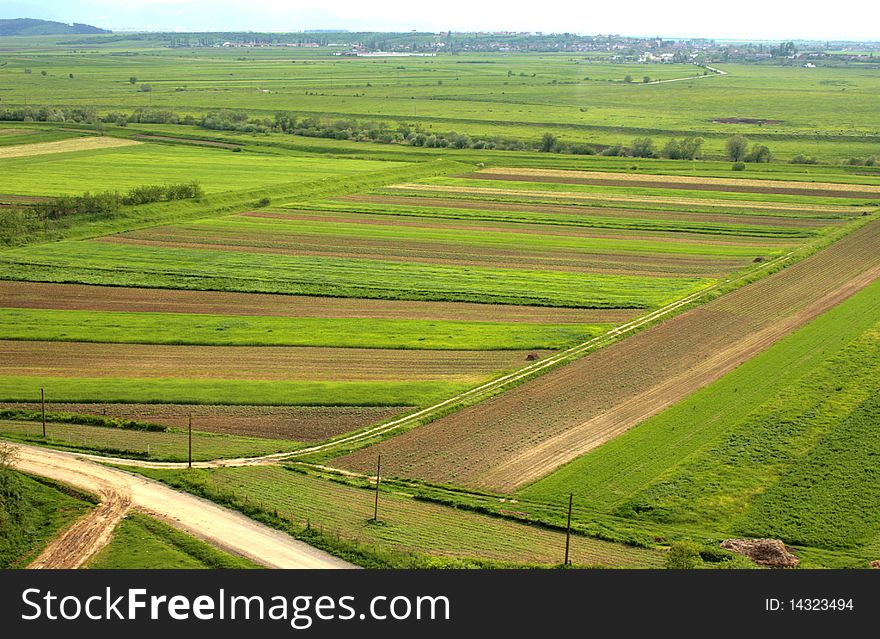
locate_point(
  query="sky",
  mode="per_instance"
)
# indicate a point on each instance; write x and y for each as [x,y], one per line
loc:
[737,19]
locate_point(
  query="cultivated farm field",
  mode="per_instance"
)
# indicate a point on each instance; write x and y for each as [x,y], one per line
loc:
[689,350]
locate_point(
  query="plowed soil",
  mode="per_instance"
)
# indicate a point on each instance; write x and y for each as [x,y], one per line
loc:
[296,423]
[520,436]
[75,359]
[112,298]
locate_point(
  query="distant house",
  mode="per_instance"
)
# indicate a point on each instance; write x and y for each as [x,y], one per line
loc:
[809,65]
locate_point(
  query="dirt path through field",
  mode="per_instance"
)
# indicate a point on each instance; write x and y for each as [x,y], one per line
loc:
[90,533]
[223,528]
[64,146]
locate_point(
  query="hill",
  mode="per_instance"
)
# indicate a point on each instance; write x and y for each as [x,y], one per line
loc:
[33,27]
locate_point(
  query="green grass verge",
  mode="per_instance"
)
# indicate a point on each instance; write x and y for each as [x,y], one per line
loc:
[141,542]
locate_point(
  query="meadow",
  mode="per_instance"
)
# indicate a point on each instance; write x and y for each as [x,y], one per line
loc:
[576,96]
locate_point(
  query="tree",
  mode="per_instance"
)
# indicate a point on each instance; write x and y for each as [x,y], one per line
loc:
[549,142]
[646,79]
[759,153]
[132,80]
[736,147]
[643,148]
[684,149]
[628,79]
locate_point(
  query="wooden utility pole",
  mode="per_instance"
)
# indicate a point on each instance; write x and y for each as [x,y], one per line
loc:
[568,530]
[376,506]
[43,408]
[190,463]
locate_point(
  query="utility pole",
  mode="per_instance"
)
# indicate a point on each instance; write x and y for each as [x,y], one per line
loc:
[568,530]
[190,463]
[376,506]
[43,408]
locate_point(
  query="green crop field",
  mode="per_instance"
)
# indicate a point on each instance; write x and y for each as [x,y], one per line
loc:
[230,330]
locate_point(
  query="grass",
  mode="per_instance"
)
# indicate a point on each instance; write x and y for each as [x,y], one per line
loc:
[230,391]
[410,533]
[170,446]
[650,221]
[141,542]
[216,170]
[232,330]
[828,499]
[162,267]
[32,513]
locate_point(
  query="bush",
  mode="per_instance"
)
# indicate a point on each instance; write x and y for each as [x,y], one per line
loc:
[684,149]
[643,148]
[683,555]
[759,154]
[264,202]
[803,159]
[739,166]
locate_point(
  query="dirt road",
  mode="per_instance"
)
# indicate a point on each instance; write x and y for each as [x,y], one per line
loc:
[119,490]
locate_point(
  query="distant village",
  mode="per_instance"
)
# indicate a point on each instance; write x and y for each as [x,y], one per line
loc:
[615,48]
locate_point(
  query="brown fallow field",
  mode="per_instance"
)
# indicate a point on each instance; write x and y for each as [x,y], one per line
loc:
[77,359]
[517,437]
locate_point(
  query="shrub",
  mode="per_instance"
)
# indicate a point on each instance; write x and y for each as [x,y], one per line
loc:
[803,159]
[739,166]
[683,555]
[759,153]
[643,148]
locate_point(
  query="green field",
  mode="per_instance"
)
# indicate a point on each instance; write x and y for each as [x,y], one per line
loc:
[230,391]
[141,542]
[515,96]
[231,330]
[162,267]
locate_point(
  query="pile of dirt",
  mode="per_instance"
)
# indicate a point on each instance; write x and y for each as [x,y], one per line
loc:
[875,564]
[764,552]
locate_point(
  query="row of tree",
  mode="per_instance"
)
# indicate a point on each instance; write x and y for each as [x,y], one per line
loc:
[108,202]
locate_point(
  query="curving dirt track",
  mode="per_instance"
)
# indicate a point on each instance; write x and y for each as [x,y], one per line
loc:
[223,528]
[523,434]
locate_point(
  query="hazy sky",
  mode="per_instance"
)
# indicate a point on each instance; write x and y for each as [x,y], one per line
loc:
[749,19]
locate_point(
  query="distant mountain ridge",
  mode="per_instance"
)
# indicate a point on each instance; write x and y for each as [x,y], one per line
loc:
[33,27]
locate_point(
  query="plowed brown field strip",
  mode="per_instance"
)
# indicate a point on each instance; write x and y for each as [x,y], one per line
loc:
[523,434]
[75,359]
[787,187]
[296,423]
[113,298]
